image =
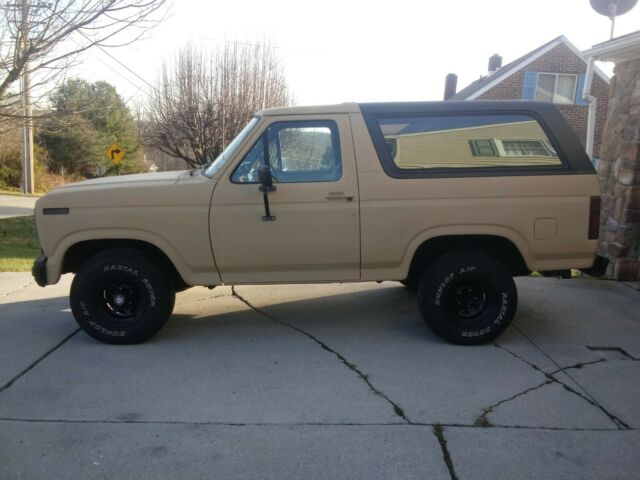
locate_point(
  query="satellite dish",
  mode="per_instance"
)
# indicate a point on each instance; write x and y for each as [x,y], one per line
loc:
[612,8]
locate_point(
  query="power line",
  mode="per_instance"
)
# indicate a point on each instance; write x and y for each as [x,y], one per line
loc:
[115,59]
[123,65]
[138,88]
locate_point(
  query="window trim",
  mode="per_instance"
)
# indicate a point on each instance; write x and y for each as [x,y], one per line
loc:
[555,87]
[498,150]
[475,148]
[543,143]
[263,137]
[391,169]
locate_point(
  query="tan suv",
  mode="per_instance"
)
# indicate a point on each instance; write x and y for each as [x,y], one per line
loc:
[451,198]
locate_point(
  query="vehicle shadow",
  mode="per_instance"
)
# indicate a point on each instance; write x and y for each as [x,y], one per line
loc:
[391,310]
[379,311]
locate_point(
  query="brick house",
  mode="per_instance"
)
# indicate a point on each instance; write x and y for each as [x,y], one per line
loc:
[553,72]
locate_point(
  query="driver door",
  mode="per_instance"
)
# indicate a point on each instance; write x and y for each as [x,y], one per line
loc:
[315,235]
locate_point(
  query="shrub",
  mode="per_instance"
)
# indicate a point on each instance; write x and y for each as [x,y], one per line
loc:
[10,168]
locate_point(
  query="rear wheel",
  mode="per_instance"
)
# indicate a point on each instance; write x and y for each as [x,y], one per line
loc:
[467,297]
[122,296]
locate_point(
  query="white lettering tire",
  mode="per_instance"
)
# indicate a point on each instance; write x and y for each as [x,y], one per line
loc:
[122,296]
[467,297]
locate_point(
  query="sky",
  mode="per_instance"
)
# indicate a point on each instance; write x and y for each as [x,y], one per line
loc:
[339,51]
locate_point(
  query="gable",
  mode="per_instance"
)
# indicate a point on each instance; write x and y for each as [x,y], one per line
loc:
[557,56]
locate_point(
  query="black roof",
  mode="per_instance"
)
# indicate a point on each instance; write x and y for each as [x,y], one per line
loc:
[483,81]
[482,106]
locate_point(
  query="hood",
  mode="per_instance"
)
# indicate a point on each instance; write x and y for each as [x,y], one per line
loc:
[159,177]
[140,190]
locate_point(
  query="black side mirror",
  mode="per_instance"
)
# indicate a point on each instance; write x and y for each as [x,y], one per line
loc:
[265,179]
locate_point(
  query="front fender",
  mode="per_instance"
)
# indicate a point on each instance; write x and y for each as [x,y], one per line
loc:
[190,274]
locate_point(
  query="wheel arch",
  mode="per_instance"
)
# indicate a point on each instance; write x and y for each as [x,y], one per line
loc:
[74,250]
[503,248]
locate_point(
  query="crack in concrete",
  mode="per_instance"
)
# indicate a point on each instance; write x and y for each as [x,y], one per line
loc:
[37,361]
[483,421]
[299,424]
[438,431]
[213,297]
[619,350]
[578,366]
[614,419]
[18,288]
[537,347]
[363,376]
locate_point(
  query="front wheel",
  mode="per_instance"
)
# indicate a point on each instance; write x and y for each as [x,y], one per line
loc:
[121,296]
[467,297]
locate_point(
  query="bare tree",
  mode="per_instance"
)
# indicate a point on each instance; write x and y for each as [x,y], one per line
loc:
[41,37]
[204,98]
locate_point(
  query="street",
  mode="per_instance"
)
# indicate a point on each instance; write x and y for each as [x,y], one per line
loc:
[16,205]
[323,381]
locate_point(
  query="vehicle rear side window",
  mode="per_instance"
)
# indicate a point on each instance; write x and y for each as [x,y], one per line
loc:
[466,141]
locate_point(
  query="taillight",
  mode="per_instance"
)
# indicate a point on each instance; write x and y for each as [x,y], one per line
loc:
[594,218]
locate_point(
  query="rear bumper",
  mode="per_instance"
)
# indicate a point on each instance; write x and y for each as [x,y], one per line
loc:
[599,267]
[39,270]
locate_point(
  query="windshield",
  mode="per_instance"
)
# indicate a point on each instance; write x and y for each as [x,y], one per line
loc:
[228,152]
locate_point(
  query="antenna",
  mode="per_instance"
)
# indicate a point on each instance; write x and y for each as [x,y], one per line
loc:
[612,9]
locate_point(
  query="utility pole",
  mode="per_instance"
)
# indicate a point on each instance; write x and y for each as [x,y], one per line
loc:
[27,129]
[223,93]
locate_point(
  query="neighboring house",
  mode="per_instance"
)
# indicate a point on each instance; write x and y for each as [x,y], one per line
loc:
[553,72]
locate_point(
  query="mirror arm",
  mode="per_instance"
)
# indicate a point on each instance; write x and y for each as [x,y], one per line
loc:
[265,189]
[267,217]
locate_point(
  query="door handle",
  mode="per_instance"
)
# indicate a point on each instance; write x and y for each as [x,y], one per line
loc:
[339,196]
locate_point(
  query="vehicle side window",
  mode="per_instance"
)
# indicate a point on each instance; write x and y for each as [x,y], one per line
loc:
[467,141]
[303,151]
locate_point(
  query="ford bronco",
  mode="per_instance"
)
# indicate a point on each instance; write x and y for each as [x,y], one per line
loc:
[453,199]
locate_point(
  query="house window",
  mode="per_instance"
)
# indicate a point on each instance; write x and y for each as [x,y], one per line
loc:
[483,148]
[517,148]
[495,147]
[556,87]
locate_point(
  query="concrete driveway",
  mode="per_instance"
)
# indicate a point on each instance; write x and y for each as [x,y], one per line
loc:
[16,205]
[323,381]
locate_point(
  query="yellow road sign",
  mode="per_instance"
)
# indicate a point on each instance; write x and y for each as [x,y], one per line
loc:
[115,153]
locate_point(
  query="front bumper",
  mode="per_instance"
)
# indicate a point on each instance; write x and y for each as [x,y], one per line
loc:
[39,270]
[599,267]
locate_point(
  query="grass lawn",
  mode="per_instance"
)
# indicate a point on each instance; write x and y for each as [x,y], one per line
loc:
[18,193]
[18,244]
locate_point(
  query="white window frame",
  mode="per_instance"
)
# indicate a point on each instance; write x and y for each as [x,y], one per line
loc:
[502,152]
[555,86]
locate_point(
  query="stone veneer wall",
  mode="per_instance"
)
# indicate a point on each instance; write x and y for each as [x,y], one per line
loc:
[619,172]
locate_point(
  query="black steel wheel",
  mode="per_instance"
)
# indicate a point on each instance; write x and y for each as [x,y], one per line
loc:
[122,296]
[467,297]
